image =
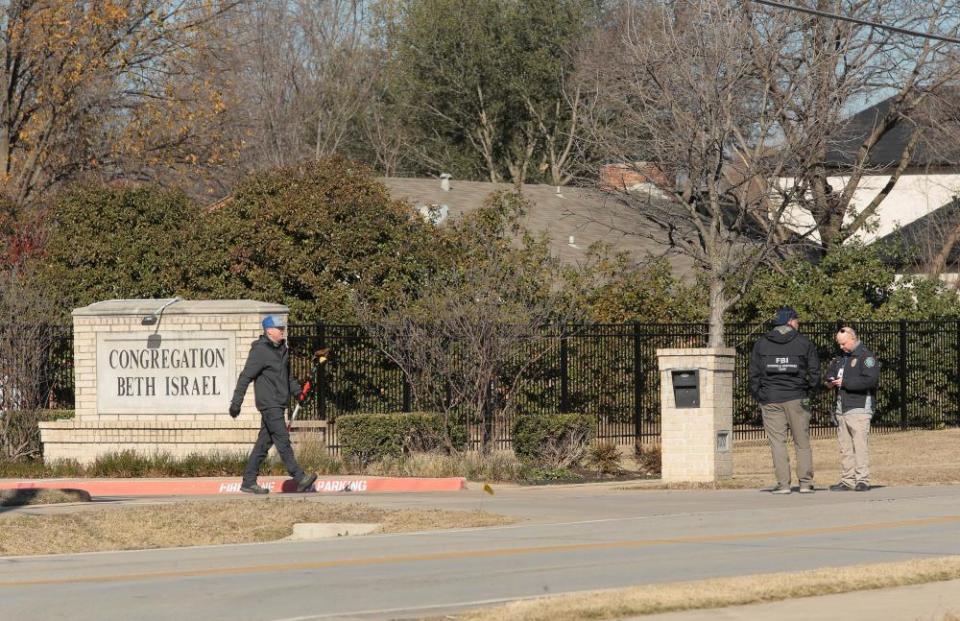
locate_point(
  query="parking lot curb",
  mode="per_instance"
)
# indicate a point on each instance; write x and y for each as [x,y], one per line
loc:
[231,485]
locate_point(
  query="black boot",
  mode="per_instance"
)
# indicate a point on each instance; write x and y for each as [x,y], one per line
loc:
[305,483]
[254,489]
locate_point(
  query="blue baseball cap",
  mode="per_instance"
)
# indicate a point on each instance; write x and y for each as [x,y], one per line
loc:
[274,321]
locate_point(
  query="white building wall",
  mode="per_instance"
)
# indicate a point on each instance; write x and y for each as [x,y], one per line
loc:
[913,197]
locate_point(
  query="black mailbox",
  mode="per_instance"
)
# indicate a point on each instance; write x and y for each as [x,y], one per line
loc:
[686,389]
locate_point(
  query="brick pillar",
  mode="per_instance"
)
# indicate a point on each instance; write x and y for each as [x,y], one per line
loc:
[696,441]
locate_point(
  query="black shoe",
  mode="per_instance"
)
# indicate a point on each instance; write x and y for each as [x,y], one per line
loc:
[305,483]
[862,487]
[254,489]
[841,487]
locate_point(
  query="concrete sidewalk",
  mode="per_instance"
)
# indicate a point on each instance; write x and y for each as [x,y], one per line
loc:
[921,602]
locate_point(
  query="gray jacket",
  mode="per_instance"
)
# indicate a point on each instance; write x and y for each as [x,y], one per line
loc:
[268,367]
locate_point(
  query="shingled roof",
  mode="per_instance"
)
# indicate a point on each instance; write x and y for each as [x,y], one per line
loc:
[573,218]
[937,149]
[924,237]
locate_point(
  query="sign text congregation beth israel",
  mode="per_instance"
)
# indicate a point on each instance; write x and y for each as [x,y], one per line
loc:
[165,373]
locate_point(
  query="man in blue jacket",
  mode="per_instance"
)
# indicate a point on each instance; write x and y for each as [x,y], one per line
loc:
[268,367]
[855,377]
[784,368]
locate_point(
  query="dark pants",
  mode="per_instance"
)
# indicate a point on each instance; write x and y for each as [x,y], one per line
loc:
[273,430]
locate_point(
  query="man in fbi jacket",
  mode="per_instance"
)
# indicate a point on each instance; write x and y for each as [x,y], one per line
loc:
[784,369]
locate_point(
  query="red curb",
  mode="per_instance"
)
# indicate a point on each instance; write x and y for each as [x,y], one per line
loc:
[203,487]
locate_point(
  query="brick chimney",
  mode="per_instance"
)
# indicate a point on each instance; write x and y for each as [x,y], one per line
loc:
[626,176]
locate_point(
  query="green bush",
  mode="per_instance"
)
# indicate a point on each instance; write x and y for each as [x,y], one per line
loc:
[557,441]
[37,469]
[370,437]
[129,464]
[51,415]
[331,227]
[491,466]
[118,242]
[125,464]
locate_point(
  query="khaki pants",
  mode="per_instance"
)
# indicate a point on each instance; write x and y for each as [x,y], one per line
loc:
[777,418]
[852,431]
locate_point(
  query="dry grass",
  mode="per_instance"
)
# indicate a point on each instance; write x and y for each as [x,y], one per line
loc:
[907,458]
[208,522]
[494,466]
[21,497]
[620,603]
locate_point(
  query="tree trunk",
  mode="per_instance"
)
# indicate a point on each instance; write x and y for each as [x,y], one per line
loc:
[939,261]
[718,307]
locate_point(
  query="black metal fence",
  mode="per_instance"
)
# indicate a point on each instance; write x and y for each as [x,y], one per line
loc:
[37,365]
[610,371]
[58,373]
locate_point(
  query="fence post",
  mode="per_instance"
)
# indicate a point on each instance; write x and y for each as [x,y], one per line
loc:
[564,375]
[322,375]
[637,383]
[903,373]
[407,398]
[956,373]
[487,435]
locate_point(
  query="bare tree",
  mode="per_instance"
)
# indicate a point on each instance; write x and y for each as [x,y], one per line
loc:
[559,127]
[466,339]
[683,87]
[26,347]
[307,69]
[385,134]
[827,68]
[80,81]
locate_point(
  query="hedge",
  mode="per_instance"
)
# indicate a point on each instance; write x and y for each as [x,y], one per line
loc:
[553,440]
[369,437]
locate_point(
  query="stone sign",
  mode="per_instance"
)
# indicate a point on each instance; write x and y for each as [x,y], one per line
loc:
[157,376]
[165,372]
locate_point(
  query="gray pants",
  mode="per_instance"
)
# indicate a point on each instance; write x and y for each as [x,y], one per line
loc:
[853,428]
[777,418]
[273,431]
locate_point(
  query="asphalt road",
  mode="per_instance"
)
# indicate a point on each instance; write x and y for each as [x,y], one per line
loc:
[572,538]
